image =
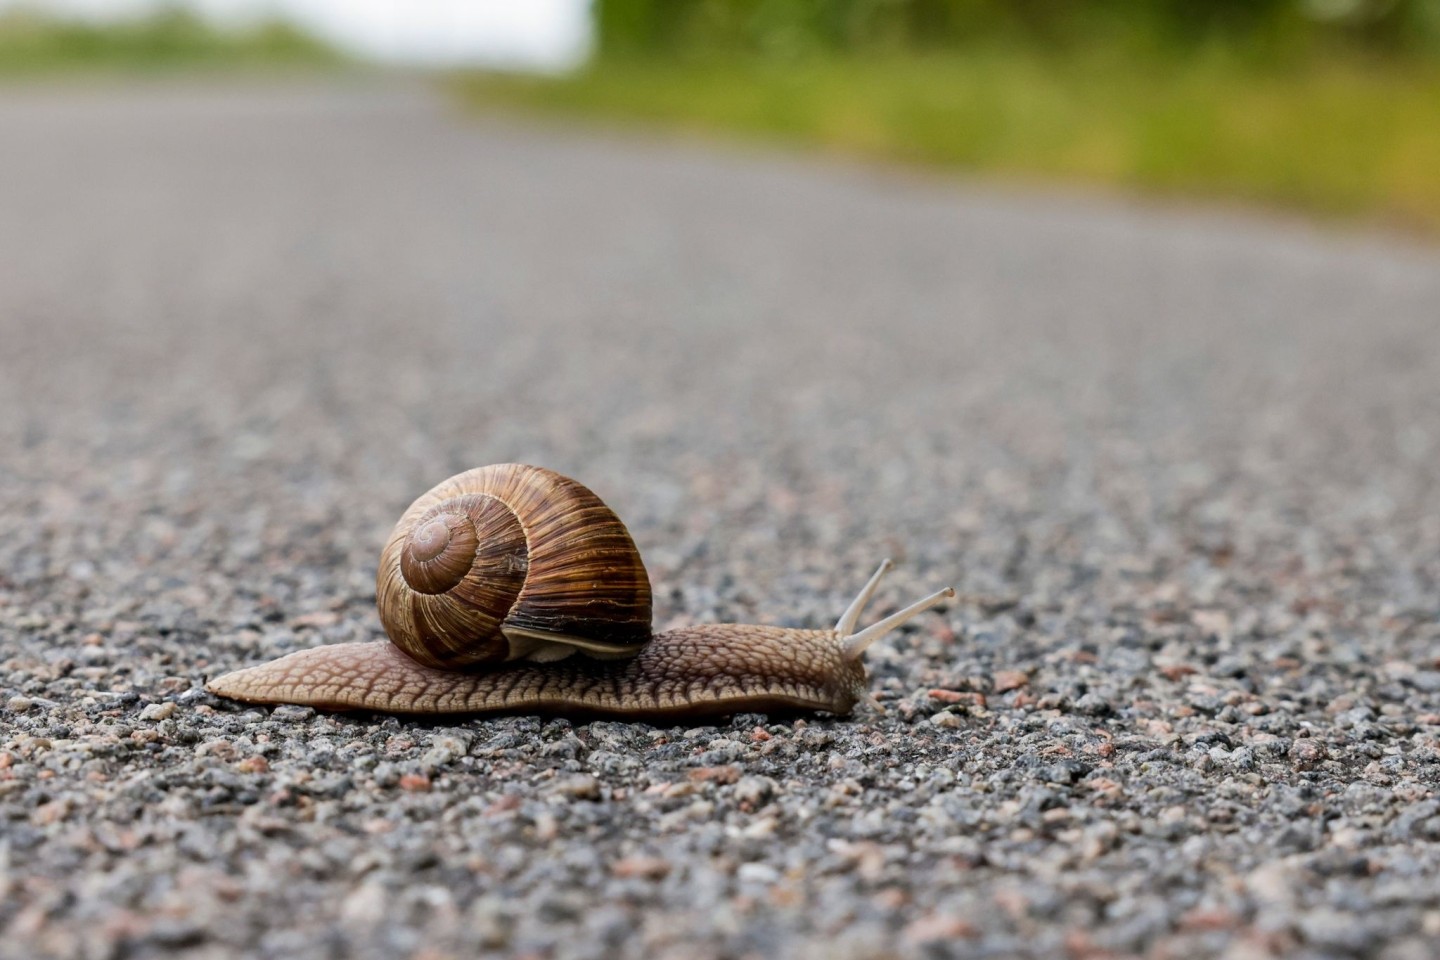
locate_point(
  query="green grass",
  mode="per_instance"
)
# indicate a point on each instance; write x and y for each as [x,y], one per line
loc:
[1338,137]
[35,45]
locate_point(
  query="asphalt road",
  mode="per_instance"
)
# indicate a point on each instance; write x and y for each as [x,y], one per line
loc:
[1182,466]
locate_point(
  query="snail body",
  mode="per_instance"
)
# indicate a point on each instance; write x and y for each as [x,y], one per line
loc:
[512,589]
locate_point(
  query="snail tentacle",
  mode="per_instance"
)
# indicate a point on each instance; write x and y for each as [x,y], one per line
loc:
[846,624]
[855,644]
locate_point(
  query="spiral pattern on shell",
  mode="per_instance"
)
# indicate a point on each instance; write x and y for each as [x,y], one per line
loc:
[494,561]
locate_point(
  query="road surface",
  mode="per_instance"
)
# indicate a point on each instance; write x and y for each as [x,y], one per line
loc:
[1181,466]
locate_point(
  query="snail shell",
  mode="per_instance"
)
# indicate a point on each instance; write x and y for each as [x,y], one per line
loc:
[517,563]
[511,562]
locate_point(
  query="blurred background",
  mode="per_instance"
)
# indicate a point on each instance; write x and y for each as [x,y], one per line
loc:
[792,286]
[1324,106]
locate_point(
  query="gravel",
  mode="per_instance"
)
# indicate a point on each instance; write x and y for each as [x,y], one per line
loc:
[1181,466]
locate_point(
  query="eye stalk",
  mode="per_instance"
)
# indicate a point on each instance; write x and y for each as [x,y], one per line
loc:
[855,644]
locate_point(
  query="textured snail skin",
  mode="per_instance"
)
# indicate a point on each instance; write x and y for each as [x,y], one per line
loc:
[702,671]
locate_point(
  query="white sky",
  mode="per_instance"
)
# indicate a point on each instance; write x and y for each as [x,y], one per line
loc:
[541,34]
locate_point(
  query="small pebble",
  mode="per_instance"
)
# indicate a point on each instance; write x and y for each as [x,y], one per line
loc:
[415,782]
[757,873]
[937,928]
[1307,752]
[158,711]
[1092,704]
[649,868]
[1003,681]
[753,791]
[253,765]
[581,787]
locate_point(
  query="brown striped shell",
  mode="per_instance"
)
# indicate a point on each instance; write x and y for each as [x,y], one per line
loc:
[507,562]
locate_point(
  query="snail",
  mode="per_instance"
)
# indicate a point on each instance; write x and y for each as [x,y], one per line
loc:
[513,589]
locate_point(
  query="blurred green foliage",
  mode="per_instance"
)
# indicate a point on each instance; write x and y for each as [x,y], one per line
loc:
[1335,138]
[1332,106]
[1272,29]
[31,42]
